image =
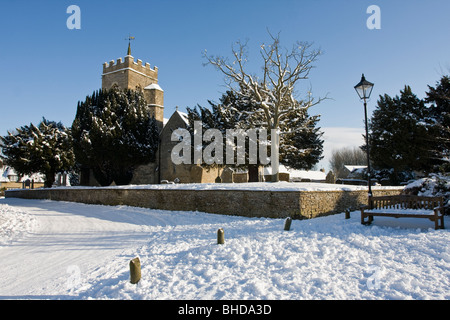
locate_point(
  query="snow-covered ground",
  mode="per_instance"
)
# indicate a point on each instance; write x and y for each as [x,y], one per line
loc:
[62,250]
[254,186]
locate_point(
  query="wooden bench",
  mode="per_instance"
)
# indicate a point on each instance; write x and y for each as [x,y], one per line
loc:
[405,206]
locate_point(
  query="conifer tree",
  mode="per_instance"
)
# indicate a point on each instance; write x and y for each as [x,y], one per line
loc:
[46,148]
[230,113]
[301,145]
[398,135]
[300,141]
[439,119]
[114,132]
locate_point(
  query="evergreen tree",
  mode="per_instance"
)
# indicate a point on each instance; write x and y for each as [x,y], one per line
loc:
[230,113]
[398,134]
[300,141]
[113,133]
[439,119]
[46,148]
[301,145]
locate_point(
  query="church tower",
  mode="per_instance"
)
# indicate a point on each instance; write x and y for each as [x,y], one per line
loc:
[130,74]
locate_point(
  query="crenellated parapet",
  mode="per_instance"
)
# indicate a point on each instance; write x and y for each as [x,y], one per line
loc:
[127,72]
[130,63]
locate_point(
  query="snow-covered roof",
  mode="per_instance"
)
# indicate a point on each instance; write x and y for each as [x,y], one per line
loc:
[37,177]
[6,172]
[299,174]
[353,168]
[154,86]
[183,116]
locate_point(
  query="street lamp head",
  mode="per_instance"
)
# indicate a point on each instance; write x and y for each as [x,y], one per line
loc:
[364,88]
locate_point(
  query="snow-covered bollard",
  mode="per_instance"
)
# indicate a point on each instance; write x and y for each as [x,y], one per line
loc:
[135,270]
[347,214]
[287,224]
[220,236]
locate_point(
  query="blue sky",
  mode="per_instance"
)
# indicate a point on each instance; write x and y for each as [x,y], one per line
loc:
[46,68]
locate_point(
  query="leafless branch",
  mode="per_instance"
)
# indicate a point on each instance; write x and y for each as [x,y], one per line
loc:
[274,91]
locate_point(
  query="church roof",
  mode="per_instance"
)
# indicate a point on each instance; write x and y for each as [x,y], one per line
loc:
[183,116]
[154,86]
[178,119]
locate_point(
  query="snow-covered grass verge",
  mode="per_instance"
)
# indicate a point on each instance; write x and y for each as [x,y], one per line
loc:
[323,258]
[327,258]
[14,223]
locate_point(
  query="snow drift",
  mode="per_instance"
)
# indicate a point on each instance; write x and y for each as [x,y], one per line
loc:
[77,251]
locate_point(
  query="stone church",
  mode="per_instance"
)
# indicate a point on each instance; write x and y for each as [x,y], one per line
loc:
[131,74]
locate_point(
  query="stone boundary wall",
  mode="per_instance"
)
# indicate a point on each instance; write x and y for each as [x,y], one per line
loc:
[318,203]
[249,203]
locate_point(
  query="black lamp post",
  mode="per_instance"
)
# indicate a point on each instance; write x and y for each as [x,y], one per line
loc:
[364,89]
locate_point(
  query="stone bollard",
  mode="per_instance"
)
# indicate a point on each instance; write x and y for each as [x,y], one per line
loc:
[287,224]
[347,214]
[220,236]
[135,270]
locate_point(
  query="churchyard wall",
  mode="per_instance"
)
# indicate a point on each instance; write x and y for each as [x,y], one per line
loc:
[249,203]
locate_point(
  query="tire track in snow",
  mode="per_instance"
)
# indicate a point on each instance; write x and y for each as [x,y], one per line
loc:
[66,238]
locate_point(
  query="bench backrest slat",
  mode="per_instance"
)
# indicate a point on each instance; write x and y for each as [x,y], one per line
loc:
[406,202]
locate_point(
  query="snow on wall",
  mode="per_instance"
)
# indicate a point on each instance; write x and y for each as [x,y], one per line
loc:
[251,200]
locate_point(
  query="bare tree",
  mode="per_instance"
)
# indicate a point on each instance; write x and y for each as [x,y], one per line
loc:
[346,156]
[274,91]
